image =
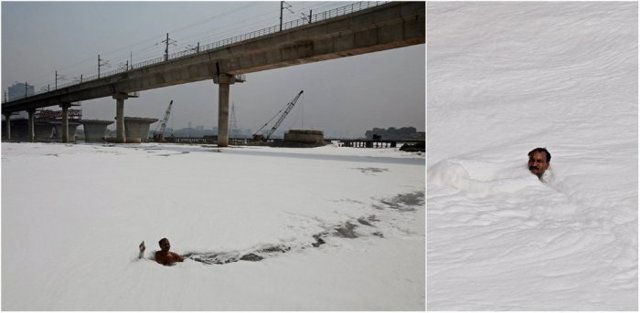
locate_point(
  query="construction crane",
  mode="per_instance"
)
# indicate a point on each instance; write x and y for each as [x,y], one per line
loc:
[159,132]
[287,109]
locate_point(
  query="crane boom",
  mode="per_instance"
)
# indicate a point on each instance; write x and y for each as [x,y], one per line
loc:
[163,124]
[282,117]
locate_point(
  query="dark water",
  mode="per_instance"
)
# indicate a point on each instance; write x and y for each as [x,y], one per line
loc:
[350,229]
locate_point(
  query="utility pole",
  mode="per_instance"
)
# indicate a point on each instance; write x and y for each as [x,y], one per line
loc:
[61,78]
[166,49]
[307,18]
[283,5]
[101,63]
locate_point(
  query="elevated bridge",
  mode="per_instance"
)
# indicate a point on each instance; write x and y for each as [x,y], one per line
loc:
[351,30]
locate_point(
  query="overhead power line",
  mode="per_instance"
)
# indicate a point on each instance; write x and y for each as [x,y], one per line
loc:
[249,22]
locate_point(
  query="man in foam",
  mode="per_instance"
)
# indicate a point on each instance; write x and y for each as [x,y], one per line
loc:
[539,159]
[164,256]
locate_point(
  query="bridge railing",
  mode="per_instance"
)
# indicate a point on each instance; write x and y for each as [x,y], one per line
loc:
[318,17]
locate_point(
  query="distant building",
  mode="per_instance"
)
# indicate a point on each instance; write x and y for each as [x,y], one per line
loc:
[20,90]
[392,133]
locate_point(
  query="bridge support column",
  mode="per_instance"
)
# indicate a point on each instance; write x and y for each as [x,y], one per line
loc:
[7,118]
[120,134]
[223,115]
[31,126]
[65,122]
[223,81]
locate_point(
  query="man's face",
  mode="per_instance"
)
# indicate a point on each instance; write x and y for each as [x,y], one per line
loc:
[538,163]
[165,245]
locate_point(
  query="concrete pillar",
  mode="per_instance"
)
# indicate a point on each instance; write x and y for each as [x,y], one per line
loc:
[95,130]
[223,115]
[120,134]
[31,126]
[137,128]
[7,131]
[71,130]
[223,81]
[65,122]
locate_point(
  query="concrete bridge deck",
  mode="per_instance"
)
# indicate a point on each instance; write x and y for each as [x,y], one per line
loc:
[387,26]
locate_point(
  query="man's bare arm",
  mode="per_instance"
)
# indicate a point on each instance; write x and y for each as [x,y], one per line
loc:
[142,248]
[178,257]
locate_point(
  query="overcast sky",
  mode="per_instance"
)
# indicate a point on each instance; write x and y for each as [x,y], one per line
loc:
[343,97]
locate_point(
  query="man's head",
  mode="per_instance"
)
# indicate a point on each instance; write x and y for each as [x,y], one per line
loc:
[164,244]
[539,159]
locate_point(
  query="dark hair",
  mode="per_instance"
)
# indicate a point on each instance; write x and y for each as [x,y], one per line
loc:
[538,150]
[161,240]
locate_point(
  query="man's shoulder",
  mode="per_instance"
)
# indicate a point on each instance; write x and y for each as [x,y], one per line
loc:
[548,176]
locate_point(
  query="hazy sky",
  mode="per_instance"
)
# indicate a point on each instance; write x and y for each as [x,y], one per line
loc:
[343,97]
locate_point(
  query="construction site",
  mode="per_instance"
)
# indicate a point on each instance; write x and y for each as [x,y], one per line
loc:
[48,128]
[138,129]
[262,137]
